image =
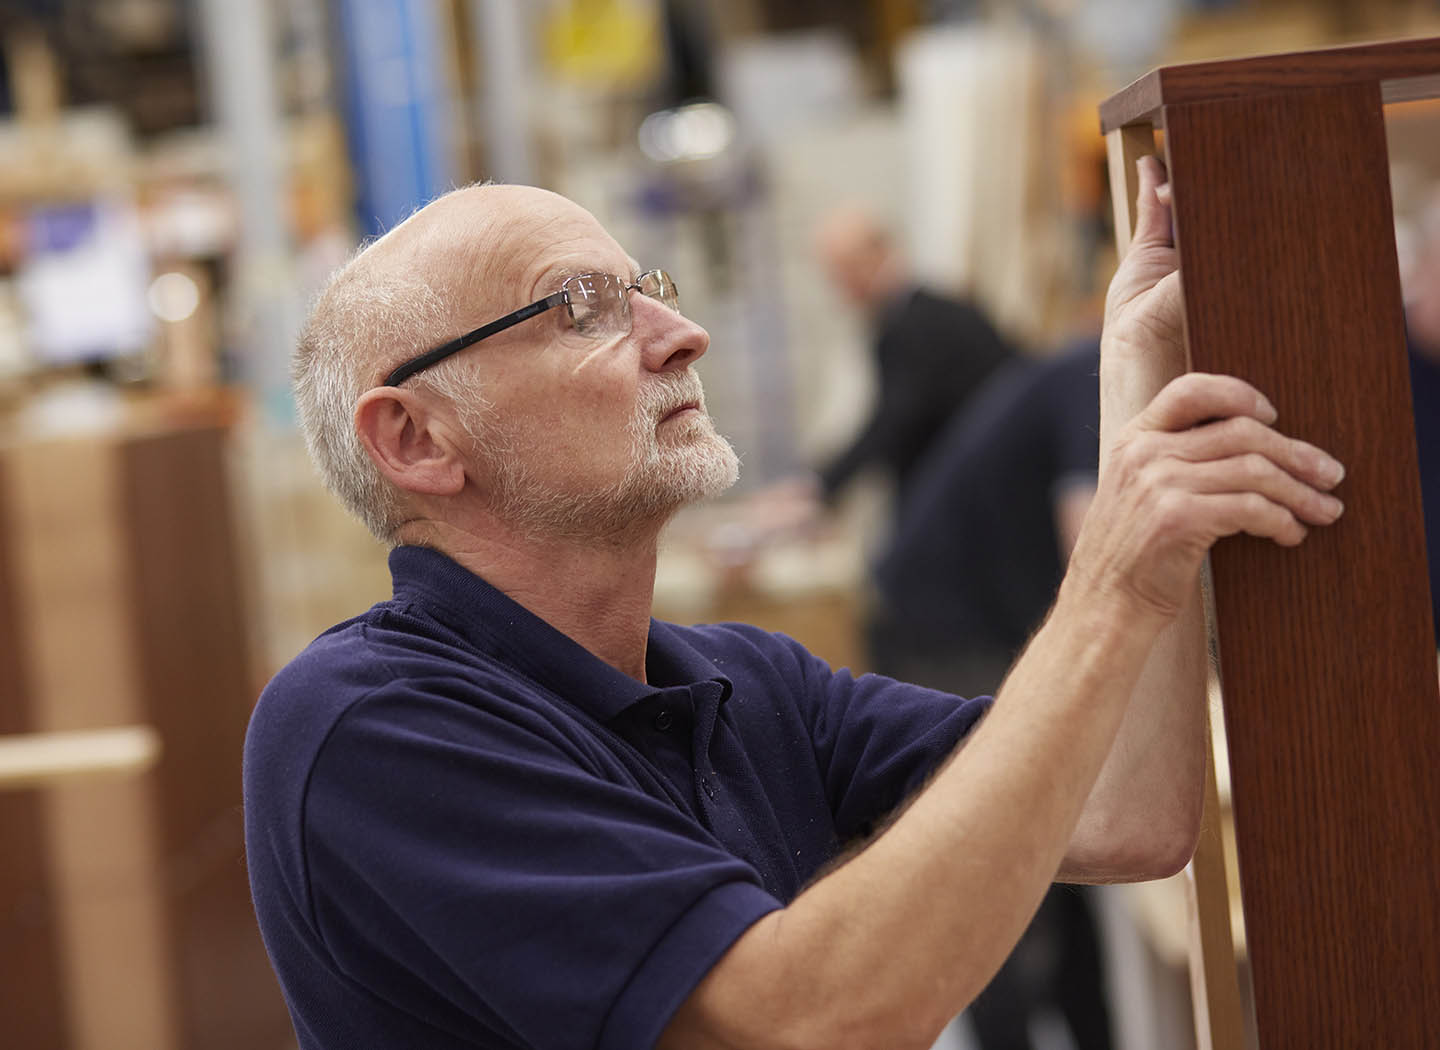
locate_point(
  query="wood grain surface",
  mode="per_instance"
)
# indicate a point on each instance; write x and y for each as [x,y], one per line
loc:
[1284,226]
[32,1006]
[127,919]
[193,663]
[1407,70]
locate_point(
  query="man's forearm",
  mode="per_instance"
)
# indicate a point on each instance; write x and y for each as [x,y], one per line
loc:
[885,949]
[1145,808]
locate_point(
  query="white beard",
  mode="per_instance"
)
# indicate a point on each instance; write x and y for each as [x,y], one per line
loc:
[691,462]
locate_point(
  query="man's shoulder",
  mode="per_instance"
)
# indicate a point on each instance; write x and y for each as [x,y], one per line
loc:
[391,647]
[384,651]
[344,660]
[757,661]
[936,323]
[929,305]
[732,643]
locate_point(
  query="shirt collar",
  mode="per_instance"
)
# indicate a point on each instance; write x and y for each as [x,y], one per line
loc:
[491,621]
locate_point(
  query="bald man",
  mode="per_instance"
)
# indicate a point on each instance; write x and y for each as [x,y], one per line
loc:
[506,808]
[932,353]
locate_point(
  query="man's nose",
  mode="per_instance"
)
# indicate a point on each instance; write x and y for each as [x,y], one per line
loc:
[669,340]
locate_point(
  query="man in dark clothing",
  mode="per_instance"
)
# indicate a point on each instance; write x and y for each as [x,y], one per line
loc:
[981,542]
[931,353]
[508,809]
[979,551]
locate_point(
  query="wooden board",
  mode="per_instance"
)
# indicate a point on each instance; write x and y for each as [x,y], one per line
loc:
[1405,70]
[33,1010]
[1287,254]
[119,546]
[193,662]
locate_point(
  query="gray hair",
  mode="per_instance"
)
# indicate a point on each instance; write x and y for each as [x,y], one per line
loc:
[365,321]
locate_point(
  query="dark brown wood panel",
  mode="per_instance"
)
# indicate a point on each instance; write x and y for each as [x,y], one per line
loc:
[1409,65]
[195,673]
[32,1003]
[1283,220]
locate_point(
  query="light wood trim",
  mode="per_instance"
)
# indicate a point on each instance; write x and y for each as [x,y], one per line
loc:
[1214,981]
[30,760]
[1124,147]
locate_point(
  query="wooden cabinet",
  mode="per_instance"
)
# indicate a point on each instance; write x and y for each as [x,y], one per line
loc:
[1283,225]
[125,918]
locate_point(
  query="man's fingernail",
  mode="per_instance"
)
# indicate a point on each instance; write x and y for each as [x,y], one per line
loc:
[1264,408]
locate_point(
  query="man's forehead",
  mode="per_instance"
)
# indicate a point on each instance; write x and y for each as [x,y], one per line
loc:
[564,265]
[536,236]
[496,247]
[567,249]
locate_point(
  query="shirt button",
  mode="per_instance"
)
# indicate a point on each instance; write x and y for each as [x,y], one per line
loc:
[709,789]
[664,720]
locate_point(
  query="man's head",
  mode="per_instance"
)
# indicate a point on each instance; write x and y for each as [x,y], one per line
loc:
[860,257]
[540,426]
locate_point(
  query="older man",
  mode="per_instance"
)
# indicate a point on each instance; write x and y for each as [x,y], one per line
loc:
[508,809]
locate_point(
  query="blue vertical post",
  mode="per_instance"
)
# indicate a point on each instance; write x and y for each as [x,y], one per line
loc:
[397,107]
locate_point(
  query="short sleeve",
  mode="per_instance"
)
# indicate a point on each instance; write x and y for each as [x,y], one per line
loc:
[473,865]
[879,740]
[875,740]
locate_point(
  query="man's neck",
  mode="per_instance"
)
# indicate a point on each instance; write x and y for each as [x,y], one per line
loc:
[596,592]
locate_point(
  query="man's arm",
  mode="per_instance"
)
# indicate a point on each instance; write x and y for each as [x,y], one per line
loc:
[1154,776]
[886,948]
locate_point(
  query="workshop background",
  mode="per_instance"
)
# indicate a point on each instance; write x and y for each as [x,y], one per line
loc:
[178,177]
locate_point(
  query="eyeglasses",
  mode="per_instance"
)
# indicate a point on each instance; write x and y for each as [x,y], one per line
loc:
[598,305]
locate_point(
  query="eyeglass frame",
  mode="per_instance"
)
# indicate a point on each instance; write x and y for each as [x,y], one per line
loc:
[431,357]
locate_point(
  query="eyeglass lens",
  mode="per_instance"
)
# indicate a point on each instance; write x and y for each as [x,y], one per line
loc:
[599,303]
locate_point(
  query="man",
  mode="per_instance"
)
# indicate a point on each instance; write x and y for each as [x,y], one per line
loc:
[978,553]
[931,352]
[506,809]
[980,546]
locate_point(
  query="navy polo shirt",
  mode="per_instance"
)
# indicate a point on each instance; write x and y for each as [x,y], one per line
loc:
[465,830]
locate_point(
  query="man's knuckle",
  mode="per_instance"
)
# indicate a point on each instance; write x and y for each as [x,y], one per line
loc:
[1255,468]
[1172,510]
[1134,452]
[1257,508]
[1249,430]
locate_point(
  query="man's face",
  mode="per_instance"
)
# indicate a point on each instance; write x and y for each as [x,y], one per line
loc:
[590,437]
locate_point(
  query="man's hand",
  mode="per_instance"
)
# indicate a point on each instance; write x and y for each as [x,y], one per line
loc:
[1185,459]
[785,509]
[1200,462]
[1143,307]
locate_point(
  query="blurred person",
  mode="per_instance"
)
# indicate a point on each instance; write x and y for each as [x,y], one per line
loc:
[1422,322]
[980,545]
[977,556]
[931,353]
[507,808]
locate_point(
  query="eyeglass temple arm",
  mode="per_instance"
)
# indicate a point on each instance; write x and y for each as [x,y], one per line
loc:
[430,357]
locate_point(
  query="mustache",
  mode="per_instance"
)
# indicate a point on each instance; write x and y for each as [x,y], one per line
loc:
[669,391]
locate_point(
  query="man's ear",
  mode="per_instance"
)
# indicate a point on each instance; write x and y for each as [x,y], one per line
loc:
[409,444]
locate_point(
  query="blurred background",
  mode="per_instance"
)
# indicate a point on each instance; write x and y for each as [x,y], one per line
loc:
[178,177]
